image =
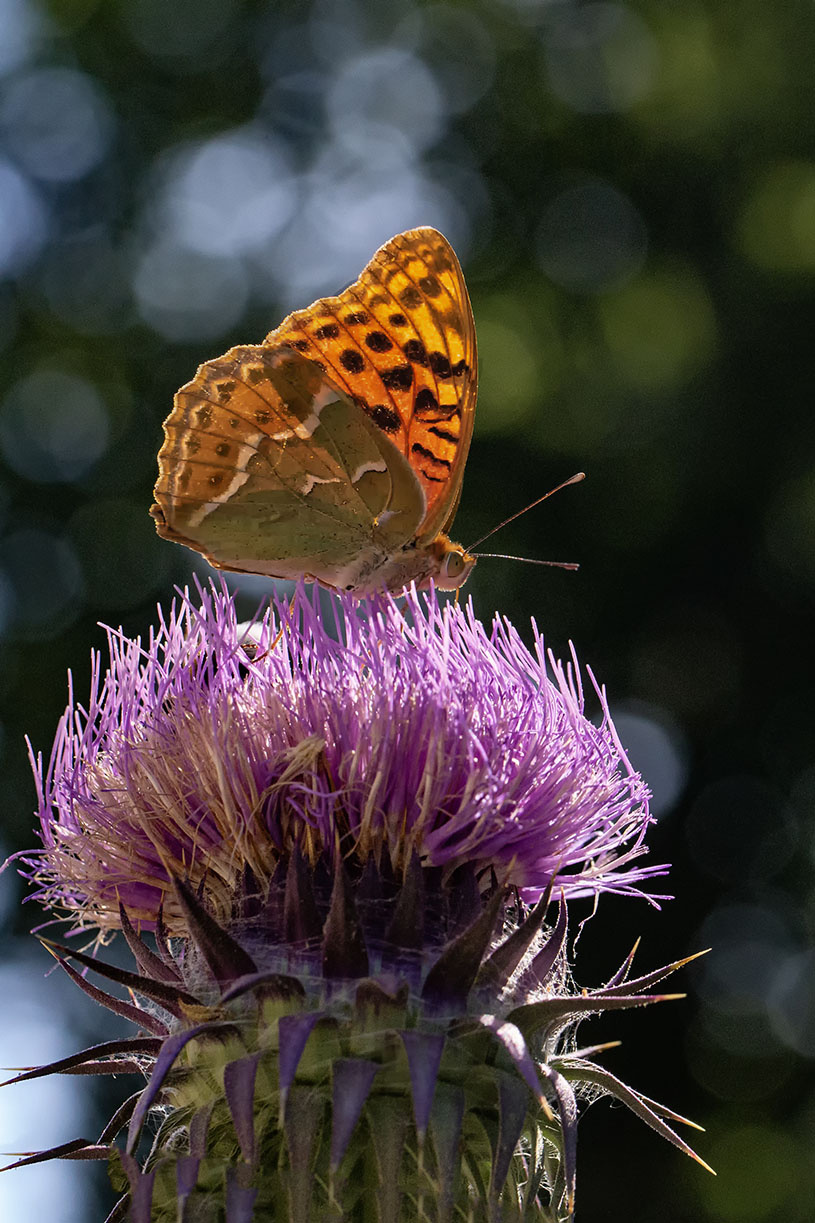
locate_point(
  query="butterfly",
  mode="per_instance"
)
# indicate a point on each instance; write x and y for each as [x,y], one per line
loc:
[334,451]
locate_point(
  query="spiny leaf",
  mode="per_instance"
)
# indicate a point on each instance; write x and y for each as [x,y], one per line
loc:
[141,1189]
[119,1119]
[163,939]
[446,1120]
[352,1081]
[622,972]
[406,929]
[164,1063]
[511,1038]
[513,1106]
[148,1045]
[239,1089]
[301,1124]
[344,952]
[169,996]
[651,978]
[538,971]
[567,1113]
[275,985]
[424,1051]
[506,957]
[301,918]
[293,1032]
[535,1015]
[142,1019]
[452,976]
[147,960]
[76,1148]
[226,959]
[586,1072]
[240,1198]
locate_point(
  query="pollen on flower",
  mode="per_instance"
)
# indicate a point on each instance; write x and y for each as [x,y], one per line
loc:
[214,749]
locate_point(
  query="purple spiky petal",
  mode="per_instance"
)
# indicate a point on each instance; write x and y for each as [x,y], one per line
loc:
[239,1089]
[240,1198]
[141,1189]
[424,1051]
[293,1032]
[512,1040]
[513,1107]
[420,732]
[163,1065]
[353,1078]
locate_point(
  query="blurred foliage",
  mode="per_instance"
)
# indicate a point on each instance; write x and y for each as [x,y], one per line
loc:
[631,189]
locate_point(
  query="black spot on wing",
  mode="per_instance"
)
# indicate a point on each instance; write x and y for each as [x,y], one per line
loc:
[400,378]
[416,352]
[377,341]
[352,361]
[329,331]
[388,419]
[439,362]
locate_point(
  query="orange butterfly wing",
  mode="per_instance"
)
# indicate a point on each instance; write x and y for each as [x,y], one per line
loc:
[401,341]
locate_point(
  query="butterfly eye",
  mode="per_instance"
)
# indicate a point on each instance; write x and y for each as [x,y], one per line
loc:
[455,568]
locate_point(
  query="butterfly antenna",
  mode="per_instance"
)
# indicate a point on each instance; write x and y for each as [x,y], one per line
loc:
[527,560]
[575,479]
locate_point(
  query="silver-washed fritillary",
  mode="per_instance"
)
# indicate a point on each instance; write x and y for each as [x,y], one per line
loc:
[334,451]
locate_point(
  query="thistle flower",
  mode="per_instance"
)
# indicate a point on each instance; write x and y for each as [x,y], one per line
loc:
[345,847]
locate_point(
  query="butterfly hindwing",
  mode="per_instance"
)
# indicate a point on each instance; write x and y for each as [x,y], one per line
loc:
[268,467]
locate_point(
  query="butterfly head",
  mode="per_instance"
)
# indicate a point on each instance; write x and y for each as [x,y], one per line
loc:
[454,564]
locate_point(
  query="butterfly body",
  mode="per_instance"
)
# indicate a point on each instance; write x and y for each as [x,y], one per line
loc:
[335,450]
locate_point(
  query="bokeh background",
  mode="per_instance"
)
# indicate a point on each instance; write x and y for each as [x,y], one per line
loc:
[631,190]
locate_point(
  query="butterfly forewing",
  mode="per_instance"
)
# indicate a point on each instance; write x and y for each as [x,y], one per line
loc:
[401,342]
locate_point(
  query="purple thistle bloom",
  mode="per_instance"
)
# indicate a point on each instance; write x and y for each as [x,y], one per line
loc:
[325,834]
[218,747]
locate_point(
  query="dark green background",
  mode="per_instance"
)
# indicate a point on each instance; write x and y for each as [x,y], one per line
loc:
[631,189]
